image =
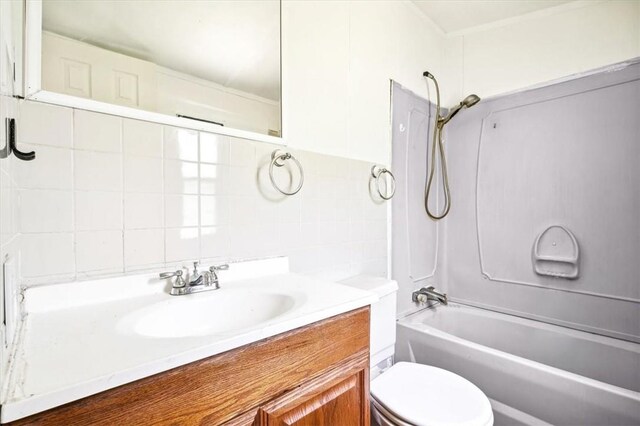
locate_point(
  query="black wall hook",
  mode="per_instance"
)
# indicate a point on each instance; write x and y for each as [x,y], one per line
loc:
[10,125]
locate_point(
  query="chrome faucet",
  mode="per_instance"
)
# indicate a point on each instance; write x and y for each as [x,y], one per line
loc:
[179,284]
[198,281]
[426,294]
[196,277]
[213,274]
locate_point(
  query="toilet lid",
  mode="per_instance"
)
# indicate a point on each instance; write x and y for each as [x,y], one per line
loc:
[430,396]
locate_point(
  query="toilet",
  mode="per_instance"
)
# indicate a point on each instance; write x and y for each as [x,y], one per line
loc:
[410,394]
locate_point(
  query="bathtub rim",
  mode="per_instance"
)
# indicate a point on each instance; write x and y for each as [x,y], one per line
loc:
[553,321]
[538,366]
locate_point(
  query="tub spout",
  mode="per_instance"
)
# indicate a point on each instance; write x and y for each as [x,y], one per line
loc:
[429,293]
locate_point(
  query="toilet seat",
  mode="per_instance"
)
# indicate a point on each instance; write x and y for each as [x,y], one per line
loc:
[422,395]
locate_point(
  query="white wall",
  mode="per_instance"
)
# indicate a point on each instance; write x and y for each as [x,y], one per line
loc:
[546,45]
[10,13]
[9,239]
[123,195]
[337,60]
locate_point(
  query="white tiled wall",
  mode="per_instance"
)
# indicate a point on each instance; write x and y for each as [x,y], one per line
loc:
[108,195]
[9,239]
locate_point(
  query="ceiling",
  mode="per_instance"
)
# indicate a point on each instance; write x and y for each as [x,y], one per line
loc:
[233,43]
[460,15]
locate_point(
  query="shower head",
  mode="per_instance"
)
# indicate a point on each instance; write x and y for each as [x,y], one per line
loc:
[467,102]
[470,101]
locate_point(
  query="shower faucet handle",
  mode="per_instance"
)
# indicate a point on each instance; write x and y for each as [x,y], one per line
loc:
[426,294]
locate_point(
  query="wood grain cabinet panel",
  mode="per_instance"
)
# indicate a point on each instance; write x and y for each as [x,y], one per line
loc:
[336,399]
[317,374]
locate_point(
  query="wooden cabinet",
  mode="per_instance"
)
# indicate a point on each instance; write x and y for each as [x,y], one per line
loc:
[315,375]
[342,401]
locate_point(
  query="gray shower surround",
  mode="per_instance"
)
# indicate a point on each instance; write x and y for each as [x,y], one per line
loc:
[567,154]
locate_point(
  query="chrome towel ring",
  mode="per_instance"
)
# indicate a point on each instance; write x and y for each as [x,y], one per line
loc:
[376,173]
[277,159]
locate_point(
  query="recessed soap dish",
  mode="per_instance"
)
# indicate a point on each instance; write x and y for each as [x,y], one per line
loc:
[556,253]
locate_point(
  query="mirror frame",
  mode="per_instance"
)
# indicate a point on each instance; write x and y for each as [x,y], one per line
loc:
[33,88]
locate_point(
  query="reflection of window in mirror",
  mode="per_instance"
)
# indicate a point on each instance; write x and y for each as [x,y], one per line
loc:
[211,61]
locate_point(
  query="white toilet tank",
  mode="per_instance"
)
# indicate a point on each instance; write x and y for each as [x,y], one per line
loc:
[383,319]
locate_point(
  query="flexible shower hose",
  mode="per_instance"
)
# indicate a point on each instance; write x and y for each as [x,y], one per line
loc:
[437,141]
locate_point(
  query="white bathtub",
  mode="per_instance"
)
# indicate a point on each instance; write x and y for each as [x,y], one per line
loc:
[533,372]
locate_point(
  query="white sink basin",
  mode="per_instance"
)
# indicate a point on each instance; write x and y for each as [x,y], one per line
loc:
[210,313]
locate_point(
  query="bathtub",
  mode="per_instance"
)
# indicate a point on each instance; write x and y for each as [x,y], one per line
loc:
[533,372]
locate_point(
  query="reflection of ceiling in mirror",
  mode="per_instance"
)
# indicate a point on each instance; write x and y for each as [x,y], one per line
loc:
[233,43]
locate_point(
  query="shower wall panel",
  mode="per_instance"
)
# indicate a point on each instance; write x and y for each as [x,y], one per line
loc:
[415,236]
[566,155]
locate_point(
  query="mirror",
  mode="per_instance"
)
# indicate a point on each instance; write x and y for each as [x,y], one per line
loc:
[214,63]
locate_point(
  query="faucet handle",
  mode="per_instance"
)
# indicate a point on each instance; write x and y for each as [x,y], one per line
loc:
[213,270]
[421,298]
[177,273]
[180,282]
[216,268]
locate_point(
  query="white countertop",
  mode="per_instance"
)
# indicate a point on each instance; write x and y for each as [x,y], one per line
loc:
[75,342]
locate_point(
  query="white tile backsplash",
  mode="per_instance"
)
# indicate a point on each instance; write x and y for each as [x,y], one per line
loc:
[96,132]
[241,153]
[141,138]
[45,211]
[181,210]
[242,210]
[112,195]
[214,242]
[8,228]
[214,148]
[143,210]
[45,124]
[242,181]
[97,171]
[47,255]
[98,211]
[213,179]
[9,237]
[143,248]
[52,170]
[214,210]
[99,251]
[182,244]
[289,210]
[143,174]
[180,177]
[180,144]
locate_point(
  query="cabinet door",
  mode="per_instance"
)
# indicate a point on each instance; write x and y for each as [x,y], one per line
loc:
[339,402]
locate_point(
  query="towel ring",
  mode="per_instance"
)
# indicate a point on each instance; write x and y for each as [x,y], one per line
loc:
[277,159]
[376,174]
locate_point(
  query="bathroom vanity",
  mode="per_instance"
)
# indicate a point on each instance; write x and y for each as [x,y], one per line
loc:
[268,349]
[313,375]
